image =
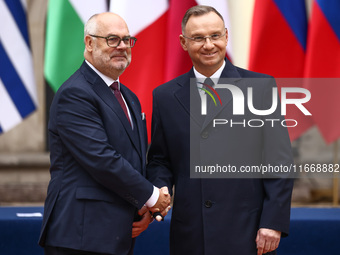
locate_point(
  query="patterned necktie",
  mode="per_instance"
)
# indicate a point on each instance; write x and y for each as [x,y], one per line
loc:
[208,81]
[208,84]
[118,95]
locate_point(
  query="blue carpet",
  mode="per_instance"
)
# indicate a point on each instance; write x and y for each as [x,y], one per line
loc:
[313,231]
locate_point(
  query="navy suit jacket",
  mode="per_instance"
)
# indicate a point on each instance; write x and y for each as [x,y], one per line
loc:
[97,167]
[218,216]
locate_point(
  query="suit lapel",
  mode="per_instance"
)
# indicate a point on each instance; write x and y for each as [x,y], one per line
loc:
[189,98]
[135,115]
[107,96]
[104,92]
[183,92]
[184,95]
[233,76]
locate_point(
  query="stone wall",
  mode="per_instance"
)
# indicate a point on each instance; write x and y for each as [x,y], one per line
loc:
[23,178]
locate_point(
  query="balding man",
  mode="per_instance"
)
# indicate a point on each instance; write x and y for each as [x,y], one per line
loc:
[98,196]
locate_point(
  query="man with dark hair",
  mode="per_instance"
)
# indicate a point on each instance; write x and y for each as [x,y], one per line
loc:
[218,216]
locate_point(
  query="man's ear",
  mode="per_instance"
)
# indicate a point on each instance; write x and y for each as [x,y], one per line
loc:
[88,40]
[226,35]
[183,42]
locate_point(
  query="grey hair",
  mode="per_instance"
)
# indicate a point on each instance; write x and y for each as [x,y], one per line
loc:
[91,25]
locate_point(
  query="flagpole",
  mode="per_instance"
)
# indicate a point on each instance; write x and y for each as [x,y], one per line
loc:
[335,175]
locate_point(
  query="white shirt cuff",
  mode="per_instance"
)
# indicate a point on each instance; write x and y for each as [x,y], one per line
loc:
[153,199]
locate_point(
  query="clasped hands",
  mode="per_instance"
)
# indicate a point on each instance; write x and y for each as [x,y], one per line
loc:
[162,205]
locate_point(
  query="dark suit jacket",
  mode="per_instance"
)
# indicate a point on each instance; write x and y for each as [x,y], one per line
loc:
[218,216]
[97,167]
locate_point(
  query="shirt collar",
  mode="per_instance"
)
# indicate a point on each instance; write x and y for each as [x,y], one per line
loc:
[108,81]
[200,77]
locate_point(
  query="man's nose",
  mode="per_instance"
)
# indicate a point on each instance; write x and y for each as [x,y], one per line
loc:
[121,45]
[208,44]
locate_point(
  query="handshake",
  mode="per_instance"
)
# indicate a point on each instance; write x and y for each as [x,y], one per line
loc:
[158,211]
[162,206]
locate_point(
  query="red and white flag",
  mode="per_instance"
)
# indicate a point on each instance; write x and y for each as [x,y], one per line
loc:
[157,56]
[147,21]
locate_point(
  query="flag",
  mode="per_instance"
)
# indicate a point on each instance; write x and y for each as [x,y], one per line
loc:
[323,67]
[18,96]
[64,49]
[177,60]
[157,56]
[147,21]
[278,48]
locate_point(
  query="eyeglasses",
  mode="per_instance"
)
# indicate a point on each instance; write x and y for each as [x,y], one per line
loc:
[114,40]
[202,39]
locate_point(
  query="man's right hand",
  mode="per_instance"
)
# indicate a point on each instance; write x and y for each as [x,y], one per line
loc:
[163,203]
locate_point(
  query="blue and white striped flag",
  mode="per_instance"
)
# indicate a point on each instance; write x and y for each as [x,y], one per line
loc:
[18,95]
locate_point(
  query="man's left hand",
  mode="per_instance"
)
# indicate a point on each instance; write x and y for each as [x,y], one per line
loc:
[139,226]
[267,240]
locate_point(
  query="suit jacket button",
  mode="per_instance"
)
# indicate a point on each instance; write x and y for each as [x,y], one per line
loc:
[205,135]
[208,204]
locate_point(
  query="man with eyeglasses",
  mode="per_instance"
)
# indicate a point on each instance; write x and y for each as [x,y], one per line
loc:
[98,198]
[217,215]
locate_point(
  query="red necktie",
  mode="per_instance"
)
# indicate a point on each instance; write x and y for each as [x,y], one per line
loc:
[118,95]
